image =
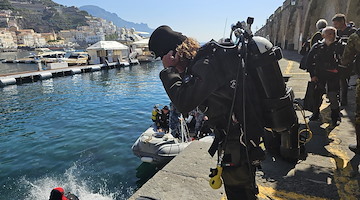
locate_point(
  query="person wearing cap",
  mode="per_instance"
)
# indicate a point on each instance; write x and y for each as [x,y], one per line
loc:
[58,194]
[196,77]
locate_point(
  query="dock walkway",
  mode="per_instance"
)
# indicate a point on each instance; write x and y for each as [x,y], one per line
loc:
[33,76]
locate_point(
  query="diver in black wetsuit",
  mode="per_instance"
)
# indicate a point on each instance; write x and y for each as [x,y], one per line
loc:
[209,84]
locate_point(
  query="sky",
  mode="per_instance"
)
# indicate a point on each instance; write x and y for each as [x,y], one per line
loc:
[200,19]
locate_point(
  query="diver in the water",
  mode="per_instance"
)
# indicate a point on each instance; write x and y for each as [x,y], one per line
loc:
[58,194]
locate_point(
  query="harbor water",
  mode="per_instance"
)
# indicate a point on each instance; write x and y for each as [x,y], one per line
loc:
[8,68]
[76,132]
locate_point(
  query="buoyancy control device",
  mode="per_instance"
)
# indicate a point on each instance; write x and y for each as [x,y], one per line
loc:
[260,61]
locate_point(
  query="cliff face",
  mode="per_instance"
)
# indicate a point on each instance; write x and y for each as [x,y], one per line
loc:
[294,22]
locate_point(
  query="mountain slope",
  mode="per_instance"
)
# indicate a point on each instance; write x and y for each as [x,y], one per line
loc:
[45,15]
[101,13]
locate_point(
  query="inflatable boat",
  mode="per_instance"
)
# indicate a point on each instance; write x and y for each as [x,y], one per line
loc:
[158,147]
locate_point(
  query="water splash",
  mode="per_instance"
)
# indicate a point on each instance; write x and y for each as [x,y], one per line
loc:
[71,182]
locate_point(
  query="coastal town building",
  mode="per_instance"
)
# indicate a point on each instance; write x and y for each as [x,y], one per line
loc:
[28,38]
[91,39]
[12,35]
[67,35]
[49,36]
[6,39]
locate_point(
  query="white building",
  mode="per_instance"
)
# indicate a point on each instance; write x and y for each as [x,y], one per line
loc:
[91,39]
[26,39]
[7,40]
[39,40]
[68,35]
[80,36]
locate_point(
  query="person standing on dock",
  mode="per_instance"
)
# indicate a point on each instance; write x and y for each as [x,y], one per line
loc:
[192,77]
[323,65]
[343,33]
[351,53]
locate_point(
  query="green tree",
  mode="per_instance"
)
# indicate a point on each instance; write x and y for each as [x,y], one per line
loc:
[111,37]
[5,5]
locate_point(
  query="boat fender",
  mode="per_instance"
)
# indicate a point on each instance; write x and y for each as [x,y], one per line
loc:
[7,81]
[147,159]
[45,75]
[95,68]
[75,71]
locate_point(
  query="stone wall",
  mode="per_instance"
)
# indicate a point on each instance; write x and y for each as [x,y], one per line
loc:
[294,21]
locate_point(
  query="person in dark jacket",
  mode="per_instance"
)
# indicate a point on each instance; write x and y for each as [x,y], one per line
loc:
[320,25]
[194,77]
[164,119]
[323,65]
[352,52]
[343,33]
[317,37]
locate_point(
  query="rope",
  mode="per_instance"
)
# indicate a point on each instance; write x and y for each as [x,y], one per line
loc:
[307,129]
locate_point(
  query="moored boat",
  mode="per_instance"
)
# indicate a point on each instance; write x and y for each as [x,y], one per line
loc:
[157,147]
[141,47]
[77,58]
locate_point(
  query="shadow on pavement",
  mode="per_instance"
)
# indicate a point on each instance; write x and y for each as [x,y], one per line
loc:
[291,55]
[313,177]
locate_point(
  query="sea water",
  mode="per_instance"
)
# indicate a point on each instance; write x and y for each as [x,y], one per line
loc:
[76,132]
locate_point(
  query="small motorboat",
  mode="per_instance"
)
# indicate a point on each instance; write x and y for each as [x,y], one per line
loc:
[157,147]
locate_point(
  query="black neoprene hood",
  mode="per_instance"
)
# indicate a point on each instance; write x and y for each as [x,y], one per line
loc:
[164,39]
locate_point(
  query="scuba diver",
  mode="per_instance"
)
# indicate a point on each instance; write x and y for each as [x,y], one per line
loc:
[58,194]
[164,119]
[231,85]
[155,113]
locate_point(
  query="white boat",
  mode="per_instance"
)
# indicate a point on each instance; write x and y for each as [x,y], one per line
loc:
[77,58]
[158,147]
[141,47]
[43,55]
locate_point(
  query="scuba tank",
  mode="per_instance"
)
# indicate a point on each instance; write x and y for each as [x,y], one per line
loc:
[155,114]
[263,66]
[261,63]
[279,113]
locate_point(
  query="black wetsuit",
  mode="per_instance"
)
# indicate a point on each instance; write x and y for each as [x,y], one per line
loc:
[316,38]
[323,62]
[209,84]
[164,120]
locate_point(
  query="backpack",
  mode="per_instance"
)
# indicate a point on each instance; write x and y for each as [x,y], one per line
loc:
[305,48]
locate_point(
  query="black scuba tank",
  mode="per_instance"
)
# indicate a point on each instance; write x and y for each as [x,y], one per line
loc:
[263,66]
